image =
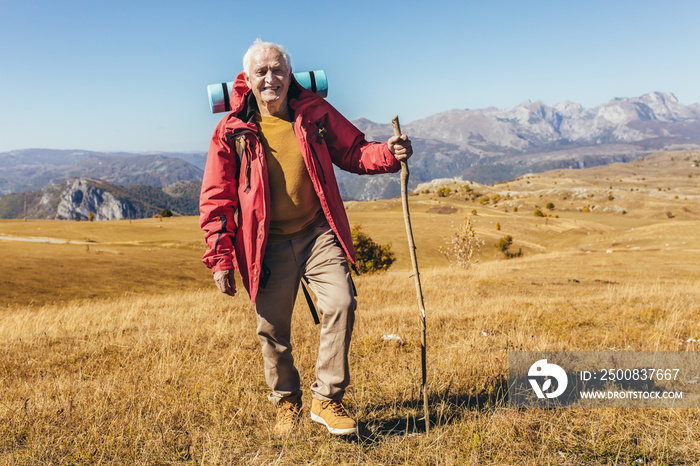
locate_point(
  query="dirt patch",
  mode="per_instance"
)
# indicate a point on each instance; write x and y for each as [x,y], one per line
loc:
[445,210]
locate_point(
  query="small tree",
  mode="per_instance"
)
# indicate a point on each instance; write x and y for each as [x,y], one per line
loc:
[444,191]
[166,213]
[370,256]
[464,247]
[504,244]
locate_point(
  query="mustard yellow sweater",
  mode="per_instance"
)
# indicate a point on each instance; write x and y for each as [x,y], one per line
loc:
[295,208]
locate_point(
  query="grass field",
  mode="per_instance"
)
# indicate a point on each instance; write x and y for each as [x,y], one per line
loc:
[121,351]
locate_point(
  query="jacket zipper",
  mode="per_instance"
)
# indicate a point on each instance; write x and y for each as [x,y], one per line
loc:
[318,162]
[247,163]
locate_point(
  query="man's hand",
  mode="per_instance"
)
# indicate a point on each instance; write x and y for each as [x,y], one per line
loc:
[225,282]
[400,146]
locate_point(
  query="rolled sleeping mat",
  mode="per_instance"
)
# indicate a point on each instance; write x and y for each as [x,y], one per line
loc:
[315,81]
[220,93]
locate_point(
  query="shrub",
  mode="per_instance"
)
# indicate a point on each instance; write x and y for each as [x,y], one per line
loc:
[464,247]
[515,209]
[370,256]
[539,213]
[504,244]
[444,191]
[166,213]
[550,206]
[611,197]
[498,227]
[91,217]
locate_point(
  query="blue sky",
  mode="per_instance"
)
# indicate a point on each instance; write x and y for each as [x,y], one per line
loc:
[132,75]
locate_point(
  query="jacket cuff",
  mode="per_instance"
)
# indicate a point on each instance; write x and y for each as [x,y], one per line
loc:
[225,263]
[391,161]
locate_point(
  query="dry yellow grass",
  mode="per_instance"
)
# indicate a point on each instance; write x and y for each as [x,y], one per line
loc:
[151,365]
[161,379]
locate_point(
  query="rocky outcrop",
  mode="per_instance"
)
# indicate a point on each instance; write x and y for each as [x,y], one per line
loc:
[86,198]
[77,199]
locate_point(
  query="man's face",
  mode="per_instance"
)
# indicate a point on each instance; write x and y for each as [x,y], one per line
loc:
[269,78]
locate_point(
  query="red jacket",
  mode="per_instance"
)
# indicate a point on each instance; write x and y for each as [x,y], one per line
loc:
[235,200]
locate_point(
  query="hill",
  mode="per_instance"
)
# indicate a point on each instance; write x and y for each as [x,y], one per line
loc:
[34,169]
[655,208]
[78,199]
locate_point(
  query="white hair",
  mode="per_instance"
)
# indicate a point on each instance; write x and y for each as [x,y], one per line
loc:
[259,45]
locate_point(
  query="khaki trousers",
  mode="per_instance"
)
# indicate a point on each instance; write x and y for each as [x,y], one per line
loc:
[318,257]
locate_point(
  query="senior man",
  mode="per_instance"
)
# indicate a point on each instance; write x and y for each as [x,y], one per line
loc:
[271,209]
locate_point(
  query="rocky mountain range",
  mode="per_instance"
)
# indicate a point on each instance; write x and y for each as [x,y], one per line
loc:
[484,145]
[490,145]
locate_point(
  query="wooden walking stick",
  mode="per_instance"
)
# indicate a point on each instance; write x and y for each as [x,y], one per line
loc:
[416,276]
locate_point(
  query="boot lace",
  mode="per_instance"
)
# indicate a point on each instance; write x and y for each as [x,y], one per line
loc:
[337,408]
[288,411]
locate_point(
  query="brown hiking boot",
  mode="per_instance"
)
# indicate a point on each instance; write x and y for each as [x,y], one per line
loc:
[332,414]
[288,415]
